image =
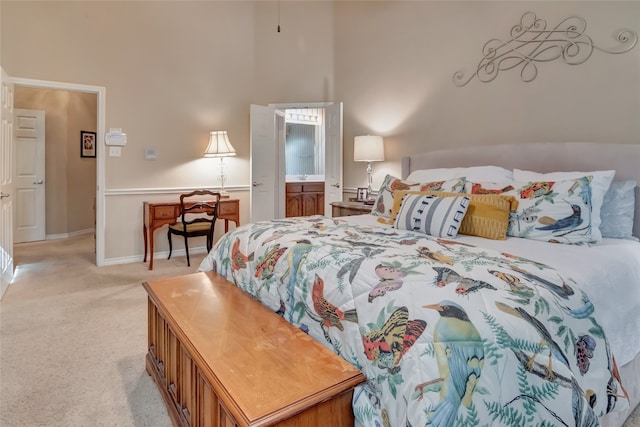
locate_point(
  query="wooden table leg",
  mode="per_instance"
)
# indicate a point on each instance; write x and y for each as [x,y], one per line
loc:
[151,249]
[144,235]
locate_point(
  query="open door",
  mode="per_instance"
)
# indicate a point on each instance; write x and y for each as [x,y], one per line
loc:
[268,133]
[264,164]
[28,182]
[333,156]
[6,182]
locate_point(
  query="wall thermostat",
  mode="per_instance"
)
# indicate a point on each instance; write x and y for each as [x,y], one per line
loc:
[115,136]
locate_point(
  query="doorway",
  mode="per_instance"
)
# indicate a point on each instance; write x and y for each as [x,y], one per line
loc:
[268,169]
[98,197]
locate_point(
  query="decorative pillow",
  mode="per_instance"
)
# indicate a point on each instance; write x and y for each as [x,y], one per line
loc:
[553,211]
[487,215]
[473,173]
[599,185]
[432,215]
[384,202]
[618,210]
[488,187]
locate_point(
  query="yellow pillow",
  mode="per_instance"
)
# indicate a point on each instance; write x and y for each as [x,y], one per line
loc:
[487,215]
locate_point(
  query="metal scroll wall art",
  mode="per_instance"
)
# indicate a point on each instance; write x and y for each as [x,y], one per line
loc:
[532,43]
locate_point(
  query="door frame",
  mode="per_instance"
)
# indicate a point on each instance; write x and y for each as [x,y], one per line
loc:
[100,92]
[280,149]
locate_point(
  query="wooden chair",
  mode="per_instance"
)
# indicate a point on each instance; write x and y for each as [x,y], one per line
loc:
[197,218]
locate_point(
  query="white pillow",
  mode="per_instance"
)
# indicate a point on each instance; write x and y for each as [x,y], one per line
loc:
[618,210]
[432,215]
[599,186]
[473,173]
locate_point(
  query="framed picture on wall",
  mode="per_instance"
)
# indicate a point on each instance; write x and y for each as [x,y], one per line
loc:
[87,144]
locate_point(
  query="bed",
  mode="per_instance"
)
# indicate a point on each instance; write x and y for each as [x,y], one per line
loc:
[457,329]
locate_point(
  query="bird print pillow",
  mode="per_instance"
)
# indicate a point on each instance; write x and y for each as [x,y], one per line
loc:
[383,204]
[553,211]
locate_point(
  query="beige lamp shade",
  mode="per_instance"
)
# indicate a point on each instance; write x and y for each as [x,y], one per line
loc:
[219,145]
[368,148]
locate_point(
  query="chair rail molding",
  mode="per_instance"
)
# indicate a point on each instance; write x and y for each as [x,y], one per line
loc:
[168,190]
[532,43]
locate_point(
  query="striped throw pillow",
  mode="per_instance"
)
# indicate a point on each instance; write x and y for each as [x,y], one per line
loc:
[487,215]
[432,215]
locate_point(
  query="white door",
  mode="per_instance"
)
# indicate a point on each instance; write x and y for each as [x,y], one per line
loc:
[264,164]
[333,156]
[6,182]
[28,178]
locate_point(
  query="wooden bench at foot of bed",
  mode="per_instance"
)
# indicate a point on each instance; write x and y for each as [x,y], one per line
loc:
[220,358]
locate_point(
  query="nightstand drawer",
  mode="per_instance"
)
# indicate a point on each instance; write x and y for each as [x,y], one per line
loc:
[349,208]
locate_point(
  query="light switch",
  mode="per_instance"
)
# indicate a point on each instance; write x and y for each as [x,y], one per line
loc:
[115,151]
[150,154]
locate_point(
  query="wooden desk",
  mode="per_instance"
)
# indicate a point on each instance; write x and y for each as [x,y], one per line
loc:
[155,215]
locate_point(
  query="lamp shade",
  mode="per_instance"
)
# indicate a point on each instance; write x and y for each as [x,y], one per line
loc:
[219,145]
[368,148]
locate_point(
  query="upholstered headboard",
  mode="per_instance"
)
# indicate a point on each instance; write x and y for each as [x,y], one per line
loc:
[540,157]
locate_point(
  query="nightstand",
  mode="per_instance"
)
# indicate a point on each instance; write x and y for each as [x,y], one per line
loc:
[349,208]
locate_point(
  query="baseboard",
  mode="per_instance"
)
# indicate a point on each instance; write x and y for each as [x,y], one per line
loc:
[156,256]
[68,235]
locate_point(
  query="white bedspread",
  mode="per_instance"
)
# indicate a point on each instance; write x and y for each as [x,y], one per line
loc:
[609,272]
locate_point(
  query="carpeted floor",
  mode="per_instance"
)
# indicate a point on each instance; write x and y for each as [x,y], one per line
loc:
[73,340]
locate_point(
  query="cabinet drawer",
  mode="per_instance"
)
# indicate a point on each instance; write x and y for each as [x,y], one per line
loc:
[164,212]
[314,187]
[294,188]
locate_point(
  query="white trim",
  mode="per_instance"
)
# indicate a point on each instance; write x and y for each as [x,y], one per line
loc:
[167,190]
[69,235]
[157,256]
[355,190]
[300,105]
[101,93]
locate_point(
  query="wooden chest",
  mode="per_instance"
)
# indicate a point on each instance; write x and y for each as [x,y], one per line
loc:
[220,358]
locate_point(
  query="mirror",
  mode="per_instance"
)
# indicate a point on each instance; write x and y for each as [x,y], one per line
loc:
[304,145]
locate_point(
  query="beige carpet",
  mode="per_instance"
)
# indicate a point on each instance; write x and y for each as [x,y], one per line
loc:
[73,340]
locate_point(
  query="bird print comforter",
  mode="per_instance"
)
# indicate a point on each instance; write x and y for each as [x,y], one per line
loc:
[446,333]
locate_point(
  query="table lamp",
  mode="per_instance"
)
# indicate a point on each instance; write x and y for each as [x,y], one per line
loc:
[219,146]
[368,148]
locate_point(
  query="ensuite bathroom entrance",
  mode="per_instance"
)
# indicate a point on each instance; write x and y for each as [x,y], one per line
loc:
[296,159]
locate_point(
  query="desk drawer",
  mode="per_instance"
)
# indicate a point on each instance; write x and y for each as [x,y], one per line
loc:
[227,208]
[164,212]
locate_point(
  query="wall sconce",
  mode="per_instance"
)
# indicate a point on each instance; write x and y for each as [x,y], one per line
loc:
[368,148]
[219,146]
